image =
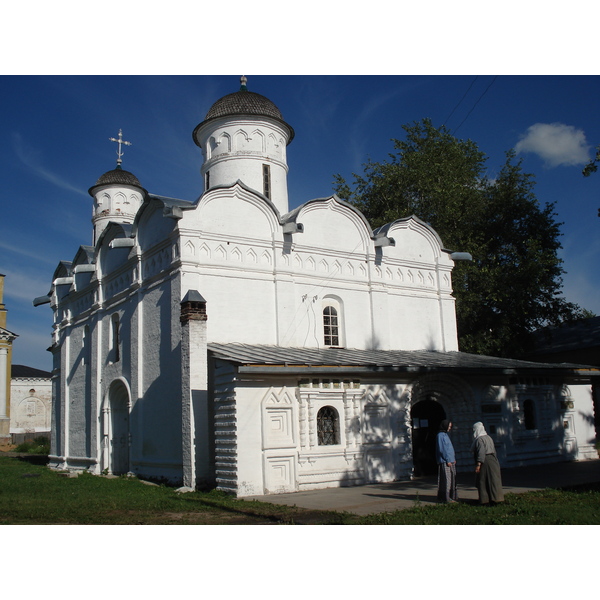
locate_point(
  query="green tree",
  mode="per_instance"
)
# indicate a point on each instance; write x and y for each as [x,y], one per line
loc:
[592,167]
[513,284]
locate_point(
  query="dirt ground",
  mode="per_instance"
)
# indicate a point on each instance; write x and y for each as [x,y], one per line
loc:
[7,447]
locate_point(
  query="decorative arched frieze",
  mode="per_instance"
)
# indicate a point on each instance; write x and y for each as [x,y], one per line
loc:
[204,251]
[189,248]
[259,141]
[336,267]
[241,140]
[236,255]
[220,252]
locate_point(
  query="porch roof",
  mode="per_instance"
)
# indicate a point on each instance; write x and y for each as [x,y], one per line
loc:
[273,359]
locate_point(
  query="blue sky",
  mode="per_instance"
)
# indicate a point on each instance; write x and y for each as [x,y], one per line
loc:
[55,145]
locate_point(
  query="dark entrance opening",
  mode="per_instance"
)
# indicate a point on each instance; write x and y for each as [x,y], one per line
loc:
[426,417]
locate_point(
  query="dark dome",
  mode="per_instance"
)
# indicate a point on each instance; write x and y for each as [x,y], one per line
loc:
[244,103]
[117,176]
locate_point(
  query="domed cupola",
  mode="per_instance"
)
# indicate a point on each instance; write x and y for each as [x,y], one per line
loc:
[117,194]
[244,137]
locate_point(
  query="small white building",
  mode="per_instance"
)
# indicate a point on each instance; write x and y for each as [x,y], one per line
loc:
[30,401]
[232,342]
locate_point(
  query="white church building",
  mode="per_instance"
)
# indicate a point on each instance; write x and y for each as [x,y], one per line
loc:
[230,342]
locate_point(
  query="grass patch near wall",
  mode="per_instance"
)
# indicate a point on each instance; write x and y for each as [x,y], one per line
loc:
[33,494]
[40,445]
[577,506]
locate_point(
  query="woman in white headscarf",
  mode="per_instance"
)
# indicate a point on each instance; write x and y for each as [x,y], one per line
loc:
[487,468]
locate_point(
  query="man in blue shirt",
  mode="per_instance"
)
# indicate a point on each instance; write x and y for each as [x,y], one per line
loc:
[444,454]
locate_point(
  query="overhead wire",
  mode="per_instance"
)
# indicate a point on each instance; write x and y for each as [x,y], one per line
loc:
[314,288]
[476,103]
[460,101]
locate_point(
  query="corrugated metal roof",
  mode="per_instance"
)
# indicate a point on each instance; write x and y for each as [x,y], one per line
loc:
[376,360]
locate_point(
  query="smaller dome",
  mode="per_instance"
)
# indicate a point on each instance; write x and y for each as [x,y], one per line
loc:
[117,176]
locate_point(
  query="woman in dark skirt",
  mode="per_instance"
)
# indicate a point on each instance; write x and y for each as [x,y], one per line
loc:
[487,468]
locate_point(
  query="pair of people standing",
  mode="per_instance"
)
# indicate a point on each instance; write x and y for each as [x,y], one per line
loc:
[487,468]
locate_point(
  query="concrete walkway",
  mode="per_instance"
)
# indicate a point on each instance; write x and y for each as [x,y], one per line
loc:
[387,497]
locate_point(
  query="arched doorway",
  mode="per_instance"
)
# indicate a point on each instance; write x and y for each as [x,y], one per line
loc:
[115,430]
[426,417]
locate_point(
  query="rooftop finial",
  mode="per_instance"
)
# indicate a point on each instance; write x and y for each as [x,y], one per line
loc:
[243,82]
[121,142]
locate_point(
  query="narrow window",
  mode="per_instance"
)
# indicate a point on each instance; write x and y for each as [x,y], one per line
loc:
[529,413]
[114,339]
[331,326]
[86,345]
[328,426]
[207,181]
[267,181]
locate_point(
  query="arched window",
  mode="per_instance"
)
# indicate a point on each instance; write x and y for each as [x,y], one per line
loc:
[333,322]
[331,326]
[529,414]
[328,427]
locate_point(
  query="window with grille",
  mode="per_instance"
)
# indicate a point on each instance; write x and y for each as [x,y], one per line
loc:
[328,426]
[267,181]
[331,327]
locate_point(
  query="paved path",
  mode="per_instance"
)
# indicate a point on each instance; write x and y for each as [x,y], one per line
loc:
[387,497]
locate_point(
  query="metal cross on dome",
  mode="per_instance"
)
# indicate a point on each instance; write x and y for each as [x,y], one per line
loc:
[121,142]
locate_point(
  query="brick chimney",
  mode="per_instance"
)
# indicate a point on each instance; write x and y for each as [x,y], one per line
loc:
[194,378]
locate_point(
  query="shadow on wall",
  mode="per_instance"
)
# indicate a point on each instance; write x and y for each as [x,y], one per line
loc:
[392,448]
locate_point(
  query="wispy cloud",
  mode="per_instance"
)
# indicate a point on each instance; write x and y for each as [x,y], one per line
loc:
[27,253]
[29,158]
[22,287]
[556,144]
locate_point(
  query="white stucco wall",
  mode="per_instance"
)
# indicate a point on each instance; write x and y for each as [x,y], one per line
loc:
[232,241]
[278,450]
[30,404]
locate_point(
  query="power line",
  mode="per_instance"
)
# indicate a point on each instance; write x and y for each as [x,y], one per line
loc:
[460,101]
[476,103]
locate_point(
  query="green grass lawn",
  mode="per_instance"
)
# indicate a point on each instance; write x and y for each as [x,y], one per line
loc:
[33,494]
